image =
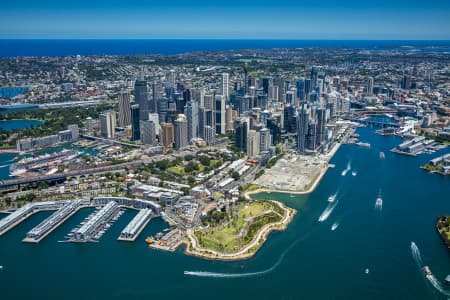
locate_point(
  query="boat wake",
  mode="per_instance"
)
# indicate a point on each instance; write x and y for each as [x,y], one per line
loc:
[434,282]
[327,212]
[4,166]
[249,274]
[347,169]
[437,285]
[416,255]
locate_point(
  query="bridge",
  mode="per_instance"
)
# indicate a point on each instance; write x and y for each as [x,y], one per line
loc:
[13,184]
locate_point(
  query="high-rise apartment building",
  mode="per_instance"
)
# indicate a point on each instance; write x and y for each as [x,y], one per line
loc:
[124,109]
[108,124]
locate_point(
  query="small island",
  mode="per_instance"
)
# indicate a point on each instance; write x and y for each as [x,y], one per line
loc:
[238,232]
[443,227]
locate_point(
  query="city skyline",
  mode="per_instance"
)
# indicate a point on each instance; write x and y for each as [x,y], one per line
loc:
[329,19]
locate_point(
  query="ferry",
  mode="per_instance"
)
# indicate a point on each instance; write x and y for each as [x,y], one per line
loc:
[426,270]
[332,198]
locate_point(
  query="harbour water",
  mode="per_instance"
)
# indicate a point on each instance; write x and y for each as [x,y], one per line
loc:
[19,124]
[307,261]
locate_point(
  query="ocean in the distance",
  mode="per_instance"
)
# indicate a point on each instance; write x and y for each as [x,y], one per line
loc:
[65,47]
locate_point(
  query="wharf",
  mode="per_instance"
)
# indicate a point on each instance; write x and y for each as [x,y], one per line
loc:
[53,227]
[23,218]
[141,224]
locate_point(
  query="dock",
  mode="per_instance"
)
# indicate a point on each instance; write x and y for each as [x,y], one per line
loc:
[39,232]
[21,214]
[86,232]
[135,227]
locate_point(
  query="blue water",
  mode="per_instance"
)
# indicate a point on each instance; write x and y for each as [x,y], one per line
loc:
[9,92]
[19,124]
[307,261]
[30,47]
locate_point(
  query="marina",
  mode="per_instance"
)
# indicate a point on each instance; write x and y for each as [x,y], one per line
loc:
[51,223]
[26,211]
[95,223]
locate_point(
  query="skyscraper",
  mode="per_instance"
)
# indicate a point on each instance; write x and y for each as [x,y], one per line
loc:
[370,86]
[253,143]
[265,140]
[241,129]
[191,112]
[154,117]
[225,89]
[124,109]
[219,110]
[141,98]
[181,137]
[135,125]
[209,134]
[108,124]
[228,118]
[302,127]
[89,126]
[156,95]
[321,122]
[167,130]
[148,132]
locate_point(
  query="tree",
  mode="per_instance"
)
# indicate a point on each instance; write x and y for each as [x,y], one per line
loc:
[191,167]
[188,157]
[235,175]
[43,185]
[204,160]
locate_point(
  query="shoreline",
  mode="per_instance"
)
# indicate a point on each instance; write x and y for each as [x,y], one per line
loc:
[249,250]
[314,182]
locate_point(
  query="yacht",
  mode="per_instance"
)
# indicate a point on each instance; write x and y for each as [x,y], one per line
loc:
[382,156]
[366,271]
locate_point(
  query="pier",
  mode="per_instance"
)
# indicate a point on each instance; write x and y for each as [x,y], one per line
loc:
[135,227]
[86,232]
[51,223]
[24,212]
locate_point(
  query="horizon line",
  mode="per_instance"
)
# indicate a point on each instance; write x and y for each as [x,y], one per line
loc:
[212,38]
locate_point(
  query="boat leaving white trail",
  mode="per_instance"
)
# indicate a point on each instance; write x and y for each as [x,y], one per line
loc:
[346,170]
[434,282]
[249,274]
[327,212]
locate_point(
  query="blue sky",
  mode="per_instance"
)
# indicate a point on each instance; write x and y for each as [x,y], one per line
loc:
[294,19]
